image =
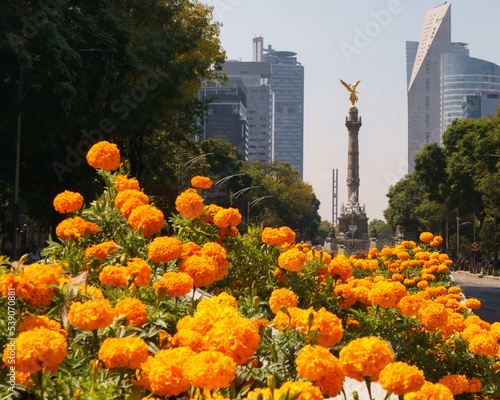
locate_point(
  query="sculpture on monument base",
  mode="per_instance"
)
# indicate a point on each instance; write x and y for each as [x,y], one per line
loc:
[352,90]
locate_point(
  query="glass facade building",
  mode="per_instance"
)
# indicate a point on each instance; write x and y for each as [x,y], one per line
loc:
[462,75]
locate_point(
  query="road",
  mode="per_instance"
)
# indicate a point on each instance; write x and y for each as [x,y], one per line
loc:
[484,288]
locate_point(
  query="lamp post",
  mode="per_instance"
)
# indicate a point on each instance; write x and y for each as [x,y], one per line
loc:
[187,165]
[225,179]
[251,204]
[234,196]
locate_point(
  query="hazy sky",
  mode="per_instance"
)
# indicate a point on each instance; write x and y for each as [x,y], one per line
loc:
[352,40]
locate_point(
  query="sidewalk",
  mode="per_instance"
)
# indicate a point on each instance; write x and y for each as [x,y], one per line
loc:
[466,276]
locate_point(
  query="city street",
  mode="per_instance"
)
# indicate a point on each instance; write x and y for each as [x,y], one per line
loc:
[484,288]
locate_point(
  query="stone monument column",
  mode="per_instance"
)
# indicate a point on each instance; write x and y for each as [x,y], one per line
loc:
[353,124]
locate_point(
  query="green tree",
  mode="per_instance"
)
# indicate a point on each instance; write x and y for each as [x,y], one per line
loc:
[385,231]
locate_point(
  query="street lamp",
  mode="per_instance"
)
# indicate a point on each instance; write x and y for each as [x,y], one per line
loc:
[188,164]
[251,204]
[234,196]
[225,179]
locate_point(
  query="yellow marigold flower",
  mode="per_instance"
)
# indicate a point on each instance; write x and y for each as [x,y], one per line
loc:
[434,316]
[33,322]
[366,356]
[104,155]
[176,284]
[167,363]
[149,219]
[426,237]
[123,183]
[91,315]
[129,199]
[67,201]
[227,217]
[134,310]
[115,276]
[216,252]
[475,385]
[202,269]
[431,391]
[202,182]
[100,250]
[456,383]
[401,378]
[210,370]
[75,227]
[312,362]
[189,204]
[328,326]
[140,270]
[234,336]
[484,344]
[473,304]
[164,249]
[387,294]
[292,260]
[306,389]
[282,297]
[127,352]
[35,350]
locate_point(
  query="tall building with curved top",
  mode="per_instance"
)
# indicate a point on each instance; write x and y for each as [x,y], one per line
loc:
[440,74]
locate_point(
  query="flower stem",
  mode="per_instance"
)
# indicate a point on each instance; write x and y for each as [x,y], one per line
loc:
[368,386]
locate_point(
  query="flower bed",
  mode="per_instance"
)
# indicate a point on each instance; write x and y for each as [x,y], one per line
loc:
[113,310]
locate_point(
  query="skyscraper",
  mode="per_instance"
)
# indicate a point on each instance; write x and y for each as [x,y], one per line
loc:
[440,75]
[287,83]
[260,106]
[424,95]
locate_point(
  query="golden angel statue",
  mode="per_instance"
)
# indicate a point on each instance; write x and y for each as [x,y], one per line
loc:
[352,89]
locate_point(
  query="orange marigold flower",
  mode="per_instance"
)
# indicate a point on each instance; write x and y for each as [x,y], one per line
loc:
[168,363]
[312,362]
[123,183]
[278,237]
[387,294]
[202,182]
[234,336]
[209,213]
[426,237]
[431,391]
[140,270]
[75,227]
[190,248]
[282,297]
[33,322]
[401,378]
[115,276]
[42,276]
[133,310]
[129,199]
[456,383]
[104,155]
[475,385]
[67,201]
[219,255]
[202,269]
[454,290]
[306,389]
[164,249]
[227,217]
[473,304]
[433,316]
[333,381]
[476,320]
[328,326]
[484,344]
[189,338]
[366,356]
[472,330]
[35,350]
[91,315]
[21,287]
[126,352]
[292,260]
[189,204]
[100,250]
[176,284]
[341,268]
[148,218]
[423,284]
[210,370]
